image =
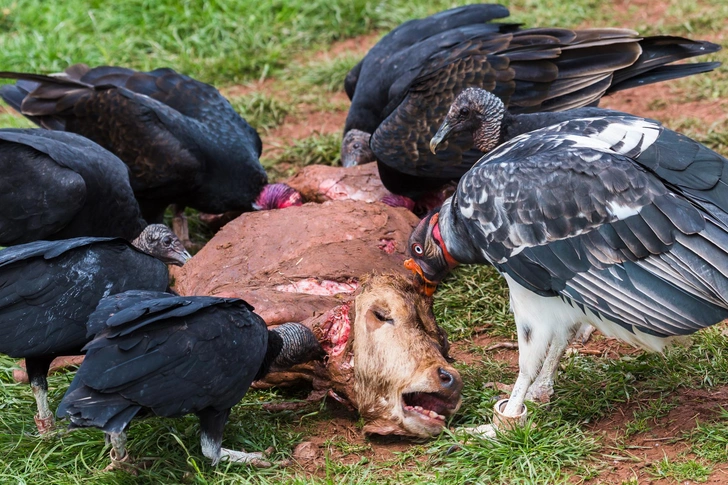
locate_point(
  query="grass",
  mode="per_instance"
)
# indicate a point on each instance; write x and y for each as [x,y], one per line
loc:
[226,42]
[261,111]
[222,41]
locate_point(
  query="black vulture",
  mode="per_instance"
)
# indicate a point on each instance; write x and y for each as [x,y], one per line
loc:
[402,89]
[175,355]
[612,220]
[182,140]
[49,289]
[61,185]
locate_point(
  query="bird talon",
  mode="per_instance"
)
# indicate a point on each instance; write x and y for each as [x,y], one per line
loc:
[44,425]
[123,464]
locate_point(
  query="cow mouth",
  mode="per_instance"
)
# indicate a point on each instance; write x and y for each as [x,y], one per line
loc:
[430,406]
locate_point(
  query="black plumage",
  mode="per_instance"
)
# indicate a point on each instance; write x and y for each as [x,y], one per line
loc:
[612,220]
[182,140]
[61,185]
[49,289]
[403,88]
[174,355]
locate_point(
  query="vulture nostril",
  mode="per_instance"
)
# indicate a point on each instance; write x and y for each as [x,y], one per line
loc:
[446,378]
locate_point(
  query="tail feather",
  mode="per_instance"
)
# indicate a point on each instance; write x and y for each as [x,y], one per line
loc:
[88,408]
[663,73]
[657,52]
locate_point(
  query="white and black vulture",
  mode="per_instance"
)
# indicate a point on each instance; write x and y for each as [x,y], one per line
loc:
[182,140]
[613,221]
[49,289]
[57,185]
[401,91]
[175,355]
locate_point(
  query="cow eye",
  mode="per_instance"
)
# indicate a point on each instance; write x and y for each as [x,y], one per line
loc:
[382,317]
[417,249]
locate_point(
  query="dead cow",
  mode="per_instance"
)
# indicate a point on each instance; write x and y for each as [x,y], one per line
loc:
[386,355]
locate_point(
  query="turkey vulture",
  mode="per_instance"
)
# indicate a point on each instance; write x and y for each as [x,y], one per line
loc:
[611,220]
[401,91]
[175,355]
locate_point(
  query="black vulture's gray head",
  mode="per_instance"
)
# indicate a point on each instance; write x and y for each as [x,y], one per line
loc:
[159,241]
[355,149]
[474,111]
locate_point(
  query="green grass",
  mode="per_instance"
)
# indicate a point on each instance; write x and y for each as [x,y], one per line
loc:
[221,42]
[328,74]
[226,42]
[710,440]
[261,111]
[681,471]
[321,148]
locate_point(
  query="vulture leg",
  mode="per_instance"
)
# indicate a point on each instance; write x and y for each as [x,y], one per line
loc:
[212,424]
[542,388]
[584,333]
[180,226]
[119,457]
[37,368]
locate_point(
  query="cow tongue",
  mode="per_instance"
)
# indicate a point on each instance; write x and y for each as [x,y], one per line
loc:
[430,404]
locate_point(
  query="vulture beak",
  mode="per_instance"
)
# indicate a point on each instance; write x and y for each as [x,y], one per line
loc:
[428,287]
[180,257]
[442,133]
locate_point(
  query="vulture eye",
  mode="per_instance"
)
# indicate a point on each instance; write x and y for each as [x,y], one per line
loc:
[167,240]
[464,111]
[417,249]
[357,146]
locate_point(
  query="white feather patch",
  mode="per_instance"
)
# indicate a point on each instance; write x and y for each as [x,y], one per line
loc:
[622,211]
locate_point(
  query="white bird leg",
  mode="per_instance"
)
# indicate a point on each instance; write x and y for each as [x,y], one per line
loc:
[545,326]
[44,418]
[256,459]
[584,333]
[542,388]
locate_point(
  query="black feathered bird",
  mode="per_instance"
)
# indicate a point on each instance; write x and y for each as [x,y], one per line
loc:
[49,289]
[182,140]
[403,88]
[59,185]
[176,355]
[612,220]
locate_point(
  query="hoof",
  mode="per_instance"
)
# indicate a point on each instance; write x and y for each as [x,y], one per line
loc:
[502,421]
[44,425]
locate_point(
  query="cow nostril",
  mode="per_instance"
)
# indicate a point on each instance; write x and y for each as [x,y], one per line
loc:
[446,378]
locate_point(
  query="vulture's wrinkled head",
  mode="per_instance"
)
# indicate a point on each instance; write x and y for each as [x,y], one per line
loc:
[159,241]
[355,149]
[474,111]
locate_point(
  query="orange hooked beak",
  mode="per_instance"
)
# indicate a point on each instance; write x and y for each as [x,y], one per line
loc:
[429,286]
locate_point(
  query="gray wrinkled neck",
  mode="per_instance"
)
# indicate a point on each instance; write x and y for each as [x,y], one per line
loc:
[288,345]
[299,345]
